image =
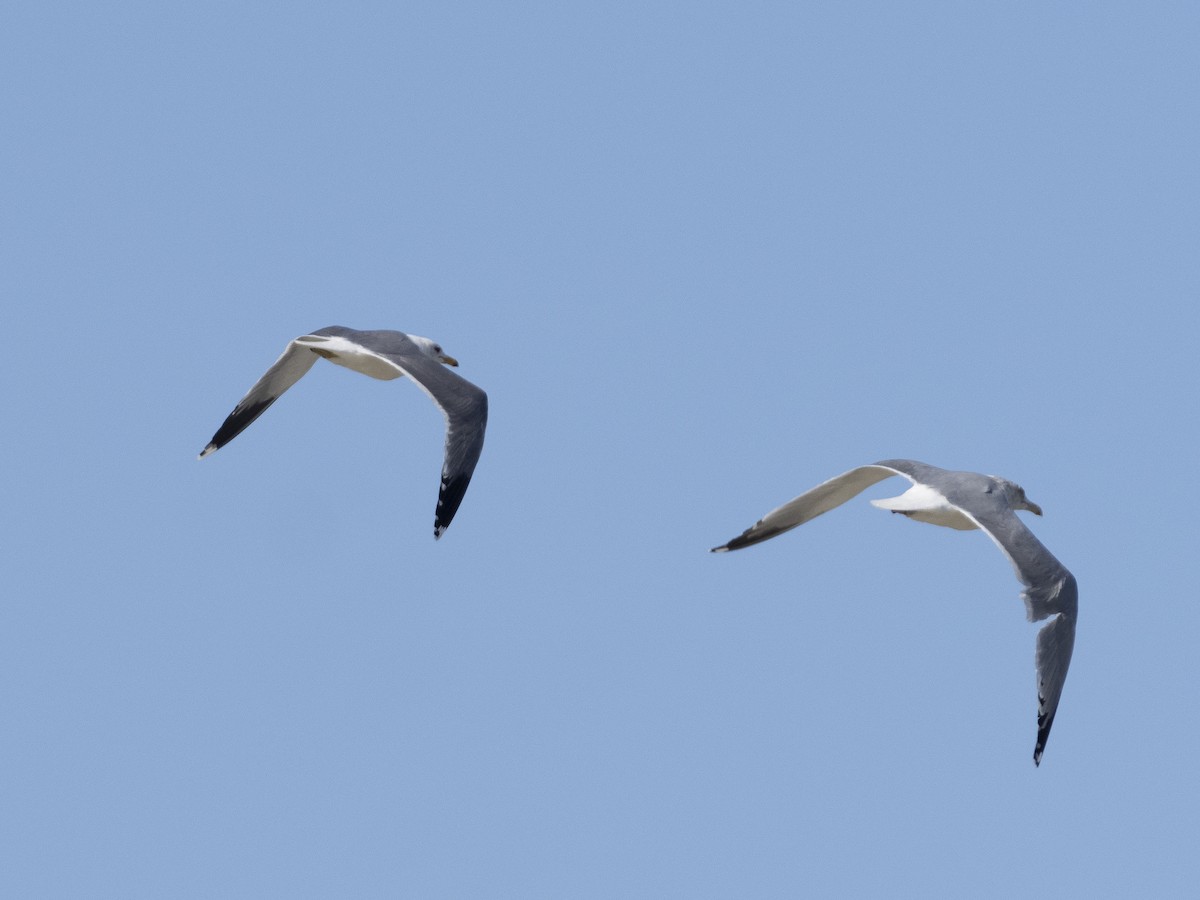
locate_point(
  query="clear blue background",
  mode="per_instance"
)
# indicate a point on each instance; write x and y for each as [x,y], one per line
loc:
[702,257]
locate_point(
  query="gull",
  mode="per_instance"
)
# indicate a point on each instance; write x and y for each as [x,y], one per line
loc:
[963,501]
[384,355]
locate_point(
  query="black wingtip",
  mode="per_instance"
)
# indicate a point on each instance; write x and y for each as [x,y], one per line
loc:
[748,538]
[1044,723]
[235,423]
[450,497]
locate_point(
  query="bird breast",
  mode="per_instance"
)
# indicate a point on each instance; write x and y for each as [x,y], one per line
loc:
[352,357]
[925,504]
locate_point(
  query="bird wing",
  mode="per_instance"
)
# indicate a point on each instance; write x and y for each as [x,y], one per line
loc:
[464,405]
[296,360]
[811,504]
[1050,593]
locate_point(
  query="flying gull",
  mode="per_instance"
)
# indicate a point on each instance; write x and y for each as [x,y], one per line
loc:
[962,500]
[384,355]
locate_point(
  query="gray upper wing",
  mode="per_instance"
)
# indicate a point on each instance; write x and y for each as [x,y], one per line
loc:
[917,472]
[1050,593]
[464,405]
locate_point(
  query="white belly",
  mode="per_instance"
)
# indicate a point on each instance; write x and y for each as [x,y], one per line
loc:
[349,354]
[924,504]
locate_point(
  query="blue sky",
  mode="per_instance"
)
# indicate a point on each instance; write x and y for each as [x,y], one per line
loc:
[702,257]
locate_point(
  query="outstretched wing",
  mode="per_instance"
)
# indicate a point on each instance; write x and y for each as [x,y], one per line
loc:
[287,370]
[464,405]
[811,504]
[1050,593]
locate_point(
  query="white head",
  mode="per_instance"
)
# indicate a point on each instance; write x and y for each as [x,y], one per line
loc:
[432,349]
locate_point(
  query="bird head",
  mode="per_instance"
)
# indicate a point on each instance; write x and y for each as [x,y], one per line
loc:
[433,350]
[1020,501]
